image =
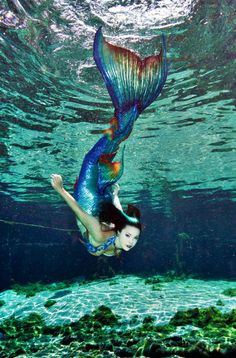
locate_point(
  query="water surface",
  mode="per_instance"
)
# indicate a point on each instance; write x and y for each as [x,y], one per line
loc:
[53,98]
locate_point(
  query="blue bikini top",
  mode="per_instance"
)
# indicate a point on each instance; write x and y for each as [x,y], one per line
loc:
[103,247]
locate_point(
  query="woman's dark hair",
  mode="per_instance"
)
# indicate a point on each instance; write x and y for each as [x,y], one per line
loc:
[110,214]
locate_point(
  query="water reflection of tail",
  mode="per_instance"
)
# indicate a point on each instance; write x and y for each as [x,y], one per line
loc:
[133,85]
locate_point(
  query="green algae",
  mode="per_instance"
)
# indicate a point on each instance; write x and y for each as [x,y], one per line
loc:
[169,277]
[220,303]
[157,287]
[101,334]
[231,292]
[159,279]
[14,327]
[148,319]
[50,303]
[16,334]
[201,317]
[2,303]
[31,289]
[105,316]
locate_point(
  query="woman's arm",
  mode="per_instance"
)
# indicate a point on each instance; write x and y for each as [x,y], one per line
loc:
[91,223]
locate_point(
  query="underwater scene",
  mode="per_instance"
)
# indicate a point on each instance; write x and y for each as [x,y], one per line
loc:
[117,178]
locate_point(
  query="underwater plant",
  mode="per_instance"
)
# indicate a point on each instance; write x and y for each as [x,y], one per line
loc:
[102,334]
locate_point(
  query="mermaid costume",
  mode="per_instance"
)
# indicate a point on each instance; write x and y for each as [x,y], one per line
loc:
[133,84]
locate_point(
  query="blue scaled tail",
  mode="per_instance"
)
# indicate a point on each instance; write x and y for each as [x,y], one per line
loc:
[133,84]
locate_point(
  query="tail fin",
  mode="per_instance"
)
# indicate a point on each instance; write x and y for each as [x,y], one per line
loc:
[130,80]
[109,172]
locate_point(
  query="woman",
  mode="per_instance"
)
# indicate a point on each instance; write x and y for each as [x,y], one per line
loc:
[133,85]
[107,234]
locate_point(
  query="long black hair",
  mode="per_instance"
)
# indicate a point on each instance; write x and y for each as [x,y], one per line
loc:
[110,214]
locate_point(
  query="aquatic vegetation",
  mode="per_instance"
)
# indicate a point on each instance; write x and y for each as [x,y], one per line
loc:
[202,316]
[104,315]
[157,287]
[157,281]
[2,302]
[220,303]
[16,334]
[50,303]
[230,292]
[148,319]
[102,333]
[31,289]
[168,277]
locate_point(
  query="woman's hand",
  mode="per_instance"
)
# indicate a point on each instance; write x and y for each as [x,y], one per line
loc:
[57,183]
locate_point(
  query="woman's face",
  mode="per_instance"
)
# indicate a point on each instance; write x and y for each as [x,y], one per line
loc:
[128,237]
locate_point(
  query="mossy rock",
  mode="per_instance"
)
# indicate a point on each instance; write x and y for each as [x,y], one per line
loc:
[31,289]
[201,317]
[231,292]
[19,335]
[157,287]
[169,277]
[89,336]
[50,303]
[157,279]
[26,328]
[105,316]
[231,317]
[220,303]
[148,320]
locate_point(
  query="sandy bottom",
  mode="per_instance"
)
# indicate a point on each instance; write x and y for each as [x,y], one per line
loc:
[127,296]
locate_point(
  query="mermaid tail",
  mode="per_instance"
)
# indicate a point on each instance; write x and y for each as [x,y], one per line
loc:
[133,85]
[130,80]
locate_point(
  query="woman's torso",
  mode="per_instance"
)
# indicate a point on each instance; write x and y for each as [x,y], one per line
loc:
[104,246]
[107,247]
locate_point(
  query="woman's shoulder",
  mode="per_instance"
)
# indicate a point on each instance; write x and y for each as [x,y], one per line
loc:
[102,237]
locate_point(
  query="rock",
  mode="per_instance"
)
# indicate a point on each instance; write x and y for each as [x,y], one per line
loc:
[50,303]
[2,336]
[231,318]
[154,350]
[197,317]
[91,346]
[124,352]
[220,303]
[67,340]
[105,316]
[148,319]
[31,289]
[199,350]
[2,302]
[231,292]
